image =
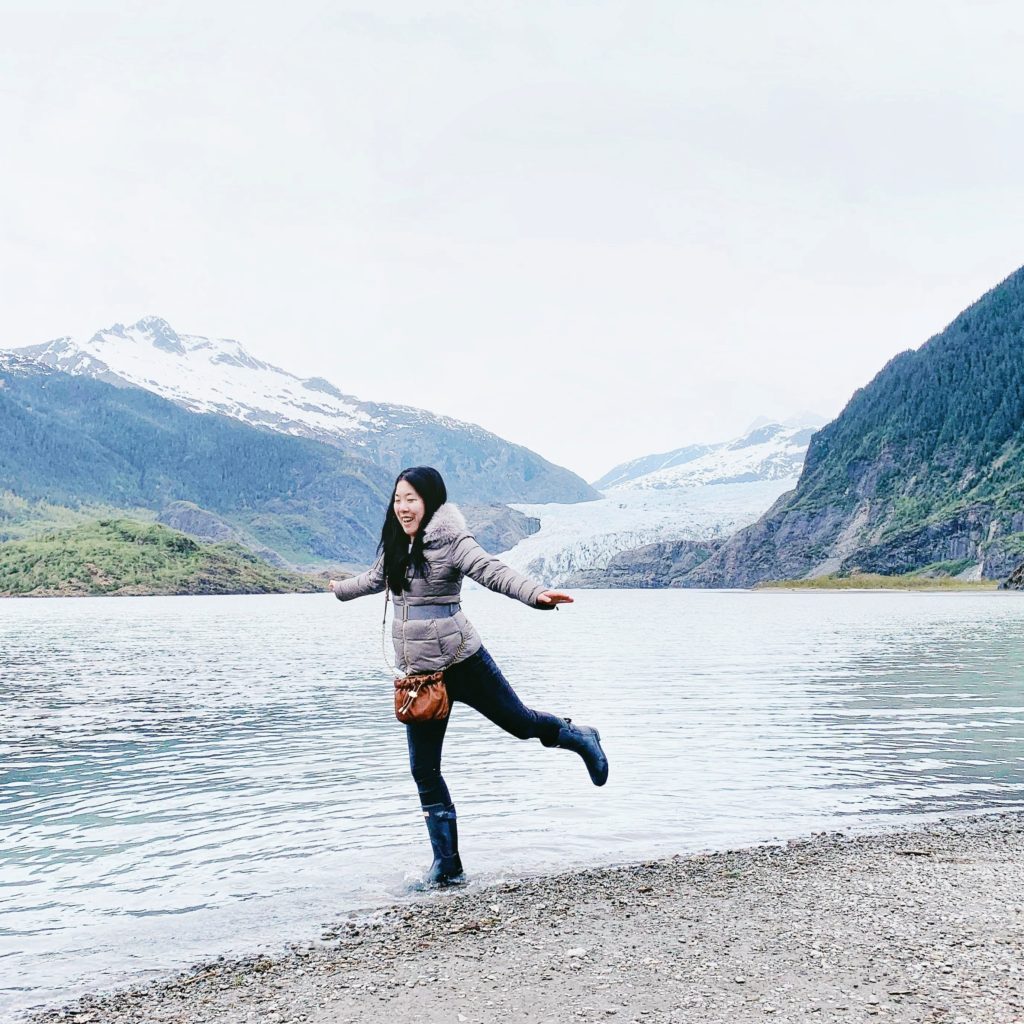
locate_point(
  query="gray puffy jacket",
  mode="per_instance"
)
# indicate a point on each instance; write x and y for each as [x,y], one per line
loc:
[427,645]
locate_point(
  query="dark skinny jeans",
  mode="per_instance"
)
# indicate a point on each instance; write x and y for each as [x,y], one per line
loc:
[478,682]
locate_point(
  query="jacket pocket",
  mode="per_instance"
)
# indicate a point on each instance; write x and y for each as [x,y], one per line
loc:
[449,638]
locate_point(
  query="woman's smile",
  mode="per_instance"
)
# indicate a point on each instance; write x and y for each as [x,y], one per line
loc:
[409,508]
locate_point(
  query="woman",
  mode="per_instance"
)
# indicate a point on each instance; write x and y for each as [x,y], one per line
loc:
[425,550]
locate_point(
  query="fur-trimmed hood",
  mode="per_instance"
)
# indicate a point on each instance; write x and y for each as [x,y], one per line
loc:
[446,524]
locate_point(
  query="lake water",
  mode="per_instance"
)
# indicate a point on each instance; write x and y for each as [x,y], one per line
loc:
[181,777]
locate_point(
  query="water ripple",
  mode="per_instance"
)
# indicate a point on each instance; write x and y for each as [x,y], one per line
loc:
[185,776]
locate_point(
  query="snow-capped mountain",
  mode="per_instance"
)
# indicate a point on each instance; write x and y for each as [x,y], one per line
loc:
[217,375]
[766,451]
[702,492]
[207,375]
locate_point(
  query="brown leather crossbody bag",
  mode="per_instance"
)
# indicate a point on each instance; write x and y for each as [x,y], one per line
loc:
[423,697]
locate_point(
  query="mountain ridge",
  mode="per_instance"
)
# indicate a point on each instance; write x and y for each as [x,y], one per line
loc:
[217,375]
[74,440]
[924,466]
[78,448]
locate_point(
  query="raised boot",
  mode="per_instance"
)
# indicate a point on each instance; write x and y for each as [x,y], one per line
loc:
[586,741]
[444,839]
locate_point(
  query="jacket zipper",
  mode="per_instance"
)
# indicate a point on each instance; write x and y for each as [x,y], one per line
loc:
[405,649]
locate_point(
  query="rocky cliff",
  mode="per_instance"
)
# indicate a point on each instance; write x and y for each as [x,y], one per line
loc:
[665,564]
[189,518]
[924,468]
[1015,581]
[498,527]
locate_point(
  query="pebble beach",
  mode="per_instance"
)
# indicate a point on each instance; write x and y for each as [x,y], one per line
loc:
[917,925]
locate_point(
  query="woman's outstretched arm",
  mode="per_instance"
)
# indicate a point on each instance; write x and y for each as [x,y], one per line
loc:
[370,582]
[493,573]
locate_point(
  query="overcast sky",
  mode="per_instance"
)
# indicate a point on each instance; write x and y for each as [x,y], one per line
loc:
[598,229]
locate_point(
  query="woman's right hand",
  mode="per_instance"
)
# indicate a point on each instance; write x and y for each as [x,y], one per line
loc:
[332,584]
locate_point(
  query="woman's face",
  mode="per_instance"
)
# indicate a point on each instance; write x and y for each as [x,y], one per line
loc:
[409,507]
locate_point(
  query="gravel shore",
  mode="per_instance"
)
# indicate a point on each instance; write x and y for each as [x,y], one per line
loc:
[923,925]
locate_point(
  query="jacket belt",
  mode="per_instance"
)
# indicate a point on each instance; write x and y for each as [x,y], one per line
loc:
[431,611]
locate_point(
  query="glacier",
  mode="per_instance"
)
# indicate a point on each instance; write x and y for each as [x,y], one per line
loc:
[701,492]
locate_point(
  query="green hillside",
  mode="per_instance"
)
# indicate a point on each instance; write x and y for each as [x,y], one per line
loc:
[925,465]
[22,518]
[82,443]
[874,581]
[122,557]
[939,427]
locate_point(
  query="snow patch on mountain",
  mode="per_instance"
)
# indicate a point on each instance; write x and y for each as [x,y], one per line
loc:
[12,363]
[207,375]
[769,451]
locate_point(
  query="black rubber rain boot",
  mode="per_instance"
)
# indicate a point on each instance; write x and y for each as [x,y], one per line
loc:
[444,838]
[586,741]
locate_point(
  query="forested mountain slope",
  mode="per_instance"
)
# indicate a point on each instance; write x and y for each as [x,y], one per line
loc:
[924,466]
[73,440]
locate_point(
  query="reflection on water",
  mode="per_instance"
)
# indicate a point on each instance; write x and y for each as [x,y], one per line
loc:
[185,776]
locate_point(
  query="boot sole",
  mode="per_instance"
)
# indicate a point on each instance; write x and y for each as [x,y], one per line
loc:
[448,883]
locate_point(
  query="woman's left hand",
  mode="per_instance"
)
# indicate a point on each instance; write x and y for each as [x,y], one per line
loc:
[552,598]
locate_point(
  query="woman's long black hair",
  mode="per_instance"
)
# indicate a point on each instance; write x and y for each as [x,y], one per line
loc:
[394,542]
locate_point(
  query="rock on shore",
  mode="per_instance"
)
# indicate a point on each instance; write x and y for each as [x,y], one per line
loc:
[1015,581]
[923,925]
[498,527]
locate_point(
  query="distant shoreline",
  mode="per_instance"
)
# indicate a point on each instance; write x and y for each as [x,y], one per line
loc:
[158,593]
[774,589]
[877,582]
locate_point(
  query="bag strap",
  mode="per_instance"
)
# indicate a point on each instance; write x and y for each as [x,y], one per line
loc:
[384,634]
[458,654]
